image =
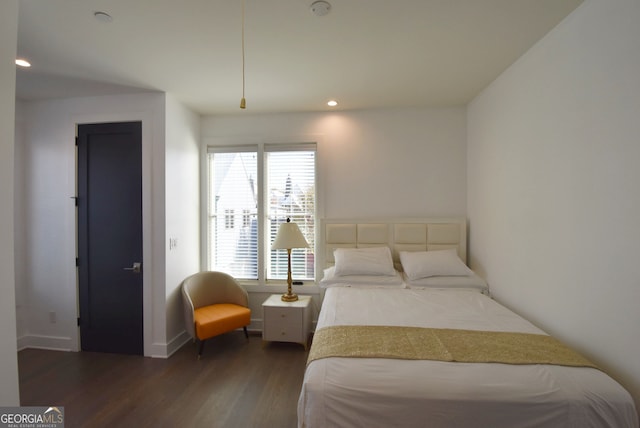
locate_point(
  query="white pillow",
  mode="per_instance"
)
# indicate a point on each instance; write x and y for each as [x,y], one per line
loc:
[424,264]
[469,282]
[363,261]
[330,279]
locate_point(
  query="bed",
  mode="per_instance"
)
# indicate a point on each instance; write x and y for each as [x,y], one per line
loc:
[359,373]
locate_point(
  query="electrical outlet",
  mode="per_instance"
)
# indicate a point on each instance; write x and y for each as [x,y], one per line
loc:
[173,243]
[52,317]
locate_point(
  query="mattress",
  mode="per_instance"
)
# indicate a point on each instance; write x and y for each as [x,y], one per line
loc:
[377,392]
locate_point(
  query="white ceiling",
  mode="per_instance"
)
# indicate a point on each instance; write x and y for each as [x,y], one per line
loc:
[364,53]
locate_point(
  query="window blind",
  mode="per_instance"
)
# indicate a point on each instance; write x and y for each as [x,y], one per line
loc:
[233,213]
[290,177]
[251,191]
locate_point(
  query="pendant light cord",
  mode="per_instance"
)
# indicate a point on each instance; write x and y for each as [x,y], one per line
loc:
[242,101]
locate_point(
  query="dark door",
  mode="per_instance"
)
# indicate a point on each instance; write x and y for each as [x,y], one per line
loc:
[110,237]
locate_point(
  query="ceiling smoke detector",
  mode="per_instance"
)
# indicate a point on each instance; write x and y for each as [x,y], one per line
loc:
[320,8]
[102,16]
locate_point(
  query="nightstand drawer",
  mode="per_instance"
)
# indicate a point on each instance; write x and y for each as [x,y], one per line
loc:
[283,324]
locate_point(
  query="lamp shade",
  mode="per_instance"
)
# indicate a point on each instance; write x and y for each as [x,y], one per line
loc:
[289,236]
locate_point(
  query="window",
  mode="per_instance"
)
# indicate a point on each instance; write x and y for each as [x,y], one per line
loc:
[228,219]
[272,183]
[246,218]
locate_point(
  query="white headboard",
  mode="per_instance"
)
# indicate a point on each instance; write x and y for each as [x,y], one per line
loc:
[425,234]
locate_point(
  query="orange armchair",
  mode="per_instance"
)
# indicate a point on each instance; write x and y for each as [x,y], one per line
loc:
[214,303]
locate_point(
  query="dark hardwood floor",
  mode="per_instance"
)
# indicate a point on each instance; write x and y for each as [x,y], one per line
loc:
[238,383]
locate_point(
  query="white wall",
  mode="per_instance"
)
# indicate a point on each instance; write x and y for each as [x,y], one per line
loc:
[374,164]
[46,230]
[553,185]
[182,212]
[19,247]
[377,163]
[47,223]
[9,390]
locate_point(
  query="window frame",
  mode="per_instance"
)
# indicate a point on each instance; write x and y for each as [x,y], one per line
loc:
[261,149]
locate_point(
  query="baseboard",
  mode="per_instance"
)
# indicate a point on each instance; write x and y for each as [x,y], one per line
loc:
[158,350]
[52,343]
[177,342]
[165,350]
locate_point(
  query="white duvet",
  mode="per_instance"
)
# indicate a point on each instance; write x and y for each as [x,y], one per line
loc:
[370,392]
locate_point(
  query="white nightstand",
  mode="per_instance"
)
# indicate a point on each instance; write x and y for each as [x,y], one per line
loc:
[286,321]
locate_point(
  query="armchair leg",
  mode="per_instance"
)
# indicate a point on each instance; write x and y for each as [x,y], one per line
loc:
[200,348]
[246,334]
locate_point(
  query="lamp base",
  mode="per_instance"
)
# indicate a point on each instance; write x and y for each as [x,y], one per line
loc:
[289,297]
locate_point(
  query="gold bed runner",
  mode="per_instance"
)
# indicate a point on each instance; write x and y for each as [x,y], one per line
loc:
[416,343]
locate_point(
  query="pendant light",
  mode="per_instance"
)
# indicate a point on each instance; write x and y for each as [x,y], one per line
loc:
[243,102]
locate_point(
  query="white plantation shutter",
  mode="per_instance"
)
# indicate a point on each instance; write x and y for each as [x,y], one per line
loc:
[238,198]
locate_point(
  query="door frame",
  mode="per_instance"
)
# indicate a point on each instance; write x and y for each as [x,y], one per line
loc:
[149,205]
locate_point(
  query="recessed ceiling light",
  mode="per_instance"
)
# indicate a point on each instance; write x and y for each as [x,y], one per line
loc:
[332,103]
[23,62]
[102,16]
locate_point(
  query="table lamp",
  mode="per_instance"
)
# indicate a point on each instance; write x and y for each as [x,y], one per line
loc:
[288,237]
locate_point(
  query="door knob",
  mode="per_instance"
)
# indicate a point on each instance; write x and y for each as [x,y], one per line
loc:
[135,268]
